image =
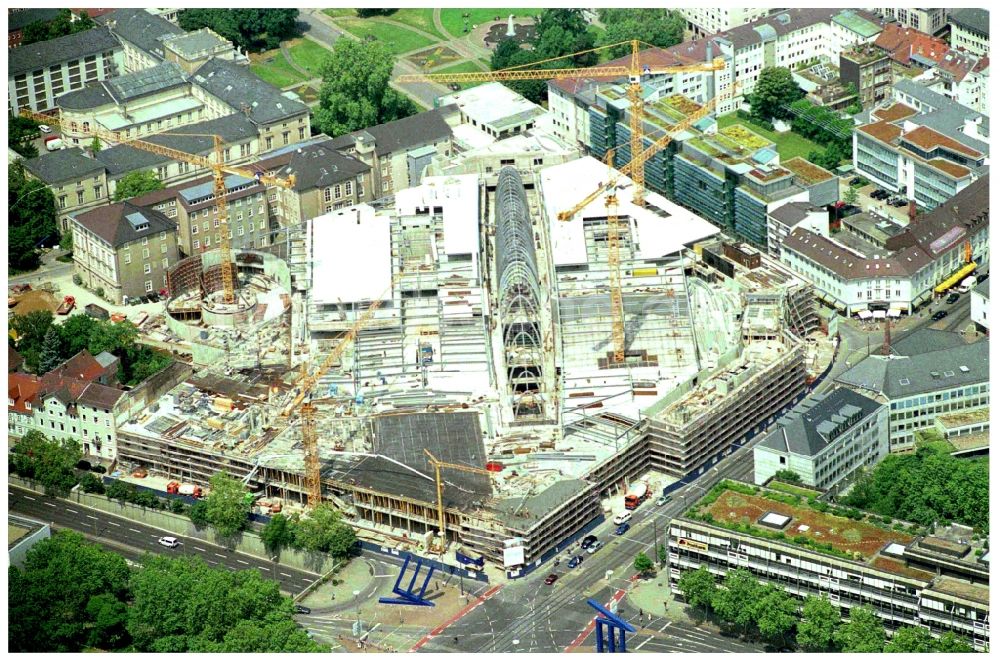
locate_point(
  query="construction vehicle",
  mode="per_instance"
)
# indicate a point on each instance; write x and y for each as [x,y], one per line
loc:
[216,166]
[634,71]
[438,465]
[636,494]
[67,305]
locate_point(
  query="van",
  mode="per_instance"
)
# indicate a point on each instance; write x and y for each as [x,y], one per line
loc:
[168,541]
[623,517]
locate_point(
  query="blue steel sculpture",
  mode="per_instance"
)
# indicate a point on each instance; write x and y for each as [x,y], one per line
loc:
[607,621]
[407,596]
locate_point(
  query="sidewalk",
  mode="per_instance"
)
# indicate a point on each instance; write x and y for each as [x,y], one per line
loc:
[653,596]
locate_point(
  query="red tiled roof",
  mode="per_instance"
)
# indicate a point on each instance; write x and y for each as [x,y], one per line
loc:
[81,366]
[894,113]
[982,65]
[957,64]
[883,131]
[902,43]
[927,138]
[21,388]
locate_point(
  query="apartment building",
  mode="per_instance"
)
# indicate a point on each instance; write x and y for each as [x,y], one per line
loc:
[925,146]
[869,70]
[964,79]
[782,220]
[877,264]
[931,581]
[704,21]
[142,34]
[79,400]
[825,439]
[970,30]
[78,182]
[124,249]
[981,306]
[928,21]
[923,383]
[40,72]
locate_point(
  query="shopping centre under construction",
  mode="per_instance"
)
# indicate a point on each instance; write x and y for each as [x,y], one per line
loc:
[491,348]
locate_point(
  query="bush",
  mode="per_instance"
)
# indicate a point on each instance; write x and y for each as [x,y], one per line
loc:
[99,470]
[176,506]
[77,280]
[199,515]
[83,465]
[91,484]
[99,292]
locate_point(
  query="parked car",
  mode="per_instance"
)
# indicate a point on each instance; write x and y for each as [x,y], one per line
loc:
[588,541]
[662,500]
[575,561]
[939,315]
[900,203]
[595,546]
[857,181]
[981,277]
[168,541]
[45,128]
[551,579]
[953,297]
[299,609]
[620,531]
[880,194]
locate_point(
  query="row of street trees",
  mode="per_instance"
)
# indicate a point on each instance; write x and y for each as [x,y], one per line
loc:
[766,611]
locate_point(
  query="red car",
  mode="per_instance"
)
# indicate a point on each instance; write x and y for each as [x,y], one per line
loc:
[551,579]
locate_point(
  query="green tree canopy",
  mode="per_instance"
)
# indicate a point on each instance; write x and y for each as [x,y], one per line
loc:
[776,614]
[277,534]
[698,587]
[911,639]
[324,531]
[863,633]
[50,602]
[31,330]
[737,602]
[60,26]
[277,632]
[659,27]
[643,564]
[818,627]
[32,220]
[226,507]
[788,476]
[952,643]
[20,133]
[355,92]
[774,90]
[561,32]
[138,182]
[50,356]
[49,461]
[247,28]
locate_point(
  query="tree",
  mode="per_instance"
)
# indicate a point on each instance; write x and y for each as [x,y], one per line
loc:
[95,145]
[851,196]
[504,52]
[776,614]
[198,514]
[817,628]
[788,476]
[911,639]
[247,28]
[737,602]
[138,182]
[49,601]
[50,355]
[562,32]
[643,564]
[49,461]
[60,26]
[277,534]
[34,32]
[91,484]
[75,333]
[659,27]
[374,11]
[32,218]
[774,90]
[355,92]
[21,131]
[31,330]
[863,633]
[226,507]
[107,616]
[698,587]
[323,531]
[828,158]
[278,633]
[951,643]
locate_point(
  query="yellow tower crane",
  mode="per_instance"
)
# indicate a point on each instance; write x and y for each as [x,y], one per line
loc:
[438,465]
[218,168]
[634,71]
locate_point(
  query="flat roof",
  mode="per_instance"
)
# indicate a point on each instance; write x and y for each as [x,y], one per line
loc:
[352,255]
[659,229]
[493,104]
[458,197]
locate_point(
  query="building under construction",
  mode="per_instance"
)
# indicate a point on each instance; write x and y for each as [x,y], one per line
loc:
[490,349]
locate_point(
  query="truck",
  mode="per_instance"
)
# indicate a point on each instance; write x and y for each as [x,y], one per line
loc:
[467,558]
[636,494]
[67,305]
[189,490]
[52,143]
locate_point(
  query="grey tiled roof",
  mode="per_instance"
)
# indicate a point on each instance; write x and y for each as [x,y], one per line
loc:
[122,159]
[125,88]
[139,27]
[111,222]
[791,213]
[93,95]
[926,340]
[984,288]
[900,377]
[802,431]
[237,86]
[318,166]
[63,165]
[977,20]
[416,130]
[43,54]
[196,42]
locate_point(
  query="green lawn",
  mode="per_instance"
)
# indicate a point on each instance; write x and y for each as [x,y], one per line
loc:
[789,144]
[397,40]
[454,23]
[275,69]
[422,19]
[309,55]
[460,68]
[340,13]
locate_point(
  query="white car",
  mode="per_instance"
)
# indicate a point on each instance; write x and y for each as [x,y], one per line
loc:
[168,541]
[45,128]
[623,517]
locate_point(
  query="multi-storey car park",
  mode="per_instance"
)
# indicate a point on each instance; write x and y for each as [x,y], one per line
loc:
[938,581]
[491,348]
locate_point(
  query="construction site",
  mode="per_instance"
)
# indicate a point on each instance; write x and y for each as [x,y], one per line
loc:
[486,372]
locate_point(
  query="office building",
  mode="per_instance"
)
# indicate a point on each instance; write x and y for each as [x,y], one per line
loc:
[970,30]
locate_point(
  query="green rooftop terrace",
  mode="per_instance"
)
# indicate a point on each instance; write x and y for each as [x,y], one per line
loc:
[814,525]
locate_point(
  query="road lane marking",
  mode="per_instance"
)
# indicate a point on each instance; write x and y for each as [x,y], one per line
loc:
[49,504]
[91,517]
[135,530]
[72,511]
[644,643]
[114,523]
[262,568]
[219,555]
[201,550]
[29,498]
[241,561]
[285,574]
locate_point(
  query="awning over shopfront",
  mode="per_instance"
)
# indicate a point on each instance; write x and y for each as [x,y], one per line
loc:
[955,278]
[895,312]
[864,314]
[879,314]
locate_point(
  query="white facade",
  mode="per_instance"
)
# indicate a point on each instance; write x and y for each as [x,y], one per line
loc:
[972,41]
[709,20]
[928,21]
[817,220]
[981,306]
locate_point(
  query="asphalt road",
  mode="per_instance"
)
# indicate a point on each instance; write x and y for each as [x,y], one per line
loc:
[132,540]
